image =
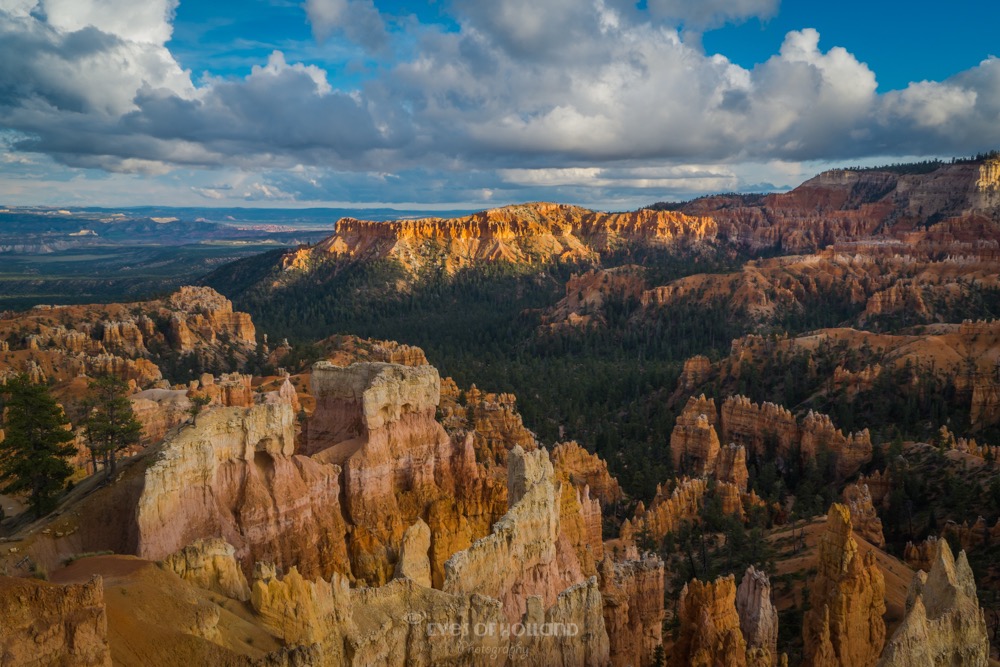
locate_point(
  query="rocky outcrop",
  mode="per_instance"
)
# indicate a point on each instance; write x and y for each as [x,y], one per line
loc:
[976,536]
[492,419]
[414,563]
[768,430]
[901,297]
[577,608]
[985,406]
[696,372]
[521,573]
[304,612]
[864,518]
[944,624]
[920,556]
[525,540]
[201,316]
[159,410]
[879,485]
[844,627]
[589,292]
[48,624]
[731,467]
[344,350]
[709,632]
[694,444]
[59,343]
[758,427]
[583,469]
[632,591]
[229,390]
[672,505]
[234,475]
[862,380]
[851,451]
[580,523]
[376,421]
[210,564]
[758,616]
[523,234]
[844,204]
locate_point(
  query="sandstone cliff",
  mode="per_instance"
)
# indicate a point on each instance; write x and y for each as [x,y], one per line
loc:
[526,538]
[709,633]
[758,426]
[843,204]
[844,627]
[492,419]
[633,608]
[210,564]
[758,616]
[524,234]
[58,343]
[48,624]
[521,573]
[696,372]
[851,451]
[694,444]
[943,624]
[771,427]
[376,421]
[672,505]
[234,475]
[864,518]
[588,293]
[581,468]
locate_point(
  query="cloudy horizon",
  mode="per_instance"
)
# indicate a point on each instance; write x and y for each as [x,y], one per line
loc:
[460,104]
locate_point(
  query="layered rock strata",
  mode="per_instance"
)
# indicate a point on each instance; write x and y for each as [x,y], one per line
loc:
[944,624]
[709,631]
[376,421]
[48,624]
[632,592]
[581,468]
[516,577]
[524,234]
[210,564]
[844,627]
[526,538]
[235,476]
[758,615]
[864,518]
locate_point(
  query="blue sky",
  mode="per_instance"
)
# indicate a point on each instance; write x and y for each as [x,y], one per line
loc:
[475,103]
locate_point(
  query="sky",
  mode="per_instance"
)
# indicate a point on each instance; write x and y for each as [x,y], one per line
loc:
[610,104]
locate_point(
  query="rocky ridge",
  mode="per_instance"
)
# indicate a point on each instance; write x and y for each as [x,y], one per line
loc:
[524,234]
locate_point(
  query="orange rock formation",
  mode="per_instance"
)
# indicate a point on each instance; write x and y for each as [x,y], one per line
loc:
[526,234]
[694,444]
[48,624]
[709,634]
[844,627]
[864,518]
[633,608]
[583,469]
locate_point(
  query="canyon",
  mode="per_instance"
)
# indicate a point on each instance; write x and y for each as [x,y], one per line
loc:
[709,484]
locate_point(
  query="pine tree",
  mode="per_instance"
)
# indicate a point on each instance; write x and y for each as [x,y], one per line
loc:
[197,405]
[34,450]
[111,425]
